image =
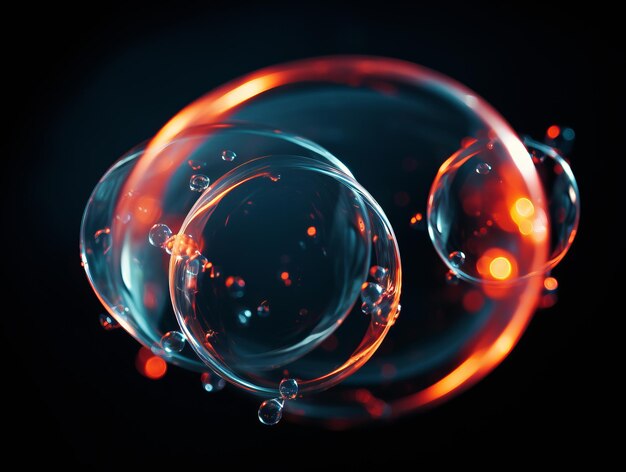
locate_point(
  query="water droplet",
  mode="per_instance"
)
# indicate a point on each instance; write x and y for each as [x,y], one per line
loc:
[490,146]
[263,310]
[271,411]
[456,258]
[108,322]
[212,382]
[199,182]
[288,389]
[159,235]
[379,273]
[173,341]
[483,168]
[371,293]
[236,286]
[244,317]
[228,156]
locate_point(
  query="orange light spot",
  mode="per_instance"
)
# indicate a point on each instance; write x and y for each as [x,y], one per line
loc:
[311,231]
[500,268]
[155,368]
[416,218]
[553,132]
[284,275]
[361,226]
[230,280]
[550,283]
[524,207]
[149,365]
[473,301]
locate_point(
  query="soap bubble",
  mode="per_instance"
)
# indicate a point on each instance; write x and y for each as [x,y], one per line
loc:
[488,227]
[252,226]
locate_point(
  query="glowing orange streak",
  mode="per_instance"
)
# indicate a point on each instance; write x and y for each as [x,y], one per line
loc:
[478,364]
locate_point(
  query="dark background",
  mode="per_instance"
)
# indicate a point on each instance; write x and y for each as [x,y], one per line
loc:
[83,90]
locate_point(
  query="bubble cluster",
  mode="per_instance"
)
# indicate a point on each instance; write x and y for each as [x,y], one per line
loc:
[271,259]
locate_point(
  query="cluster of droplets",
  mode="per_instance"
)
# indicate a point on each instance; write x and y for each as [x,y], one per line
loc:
[376,296]
[271,411]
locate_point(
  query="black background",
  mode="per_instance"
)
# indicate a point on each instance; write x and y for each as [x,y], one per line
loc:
[85,88]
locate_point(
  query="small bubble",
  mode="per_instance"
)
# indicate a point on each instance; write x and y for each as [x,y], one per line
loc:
[379,273]
[212,382]
[456,258]
[483,168]
[263,310]
[236,286]
[452,278]
[271,411]
[173,341]
[108,322]
[490,146]
[244,317]
[371,293]
[159,235]
[199,182]
[228,156]
[288,389]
